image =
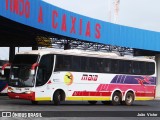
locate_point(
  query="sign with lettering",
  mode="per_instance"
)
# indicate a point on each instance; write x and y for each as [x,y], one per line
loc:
[47,17]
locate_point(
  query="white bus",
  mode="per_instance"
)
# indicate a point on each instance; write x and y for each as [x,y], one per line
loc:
[62,75]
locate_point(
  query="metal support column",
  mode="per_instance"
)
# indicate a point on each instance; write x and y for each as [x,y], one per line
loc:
[11,53]
[158,76]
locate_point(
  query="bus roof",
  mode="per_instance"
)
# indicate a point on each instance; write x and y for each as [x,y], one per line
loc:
[85,53]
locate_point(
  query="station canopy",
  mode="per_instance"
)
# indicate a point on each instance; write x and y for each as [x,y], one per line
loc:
[22,22]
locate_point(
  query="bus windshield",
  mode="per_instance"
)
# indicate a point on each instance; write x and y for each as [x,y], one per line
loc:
[20,75]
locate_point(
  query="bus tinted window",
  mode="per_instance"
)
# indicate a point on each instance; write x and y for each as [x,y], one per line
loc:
[135,69]
[142,68]
[63,63]
[125,67]
[67,62]
[76,63]
[84,64]
[150,68]
[121,67]
[100,65]
[45,69]
[59,63]
[103,65]
[114,66]
[92,66]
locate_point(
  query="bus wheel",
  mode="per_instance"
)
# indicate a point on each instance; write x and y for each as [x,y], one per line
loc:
[116,98]
[57,98]
[34,102]
[106,102]
[129,99]
[92,102]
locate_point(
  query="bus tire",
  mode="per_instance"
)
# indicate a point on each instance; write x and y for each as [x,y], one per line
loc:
[57,98]
[129,99]
[92,102]
[106,102]
[116,98]
[34,102]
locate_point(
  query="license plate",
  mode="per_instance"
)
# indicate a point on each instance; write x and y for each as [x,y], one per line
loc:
[18,89]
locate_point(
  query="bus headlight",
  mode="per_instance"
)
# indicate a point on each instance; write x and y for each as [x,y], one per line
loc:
[10,89]
[28,92]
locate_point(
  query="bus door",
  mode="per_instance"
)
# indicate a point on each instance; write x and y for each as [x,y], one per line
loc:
[43,82]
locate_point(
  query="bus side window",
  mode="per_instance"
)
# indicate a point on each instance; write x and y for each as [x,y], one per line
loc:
[59,63]
[114,66]
[92,66]
[128,67]
[107,69]
[107,66]
[84,64]
[150,68]
[99,65]
[142,68]
[75,63]
[136,68]
[67,61]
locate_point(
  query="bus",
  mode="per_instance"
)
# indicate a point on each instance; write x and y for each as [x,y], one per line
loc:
[70,75]
[4,80]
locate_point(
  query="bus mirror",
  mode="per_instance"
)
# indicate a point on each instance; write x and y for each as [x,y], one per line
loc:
[32,72]
[33,68]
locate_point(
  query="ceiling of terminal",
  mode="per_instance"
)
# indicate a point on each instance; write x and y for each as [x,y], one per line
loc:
[19,35]
[16,34]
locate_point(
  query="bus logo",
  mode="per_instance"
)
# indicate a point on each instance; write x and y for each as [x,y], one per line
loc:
[68,78]
[89,77]
[144,80]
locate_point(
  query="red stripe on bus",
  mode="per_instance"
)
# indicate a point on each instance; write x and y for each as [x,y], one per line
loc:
[91,93]
[30,96]
[145,94]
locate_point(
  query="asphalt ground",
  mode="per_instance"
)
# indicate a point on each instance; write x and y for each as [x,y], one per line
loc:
[79,110]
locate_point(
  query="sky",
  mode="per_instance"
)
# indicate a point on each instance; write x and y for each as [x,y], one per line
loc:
[144,14]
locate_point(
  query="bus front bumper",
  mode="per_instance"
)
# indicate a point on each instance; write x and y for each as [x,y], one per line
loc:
[25,96]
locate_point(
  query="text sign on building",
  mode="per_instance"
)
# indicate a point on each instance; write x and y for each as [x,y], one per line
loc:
[44,16]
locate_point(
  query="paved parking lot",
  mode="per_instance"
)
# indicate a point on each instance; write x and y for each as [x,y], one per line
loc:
[83,107]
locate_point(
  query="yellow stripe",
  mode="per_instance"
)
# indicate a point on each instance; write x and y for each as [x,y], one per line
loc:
[74,98]
[43,99]
[88,98]
[144,98]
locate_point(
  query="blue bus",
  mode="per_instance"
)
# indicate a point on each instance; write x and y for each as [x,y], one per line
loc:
[4,80]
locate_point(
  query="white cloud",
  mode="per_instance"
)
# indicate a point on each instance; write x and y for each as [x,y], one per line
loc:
[91,8]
